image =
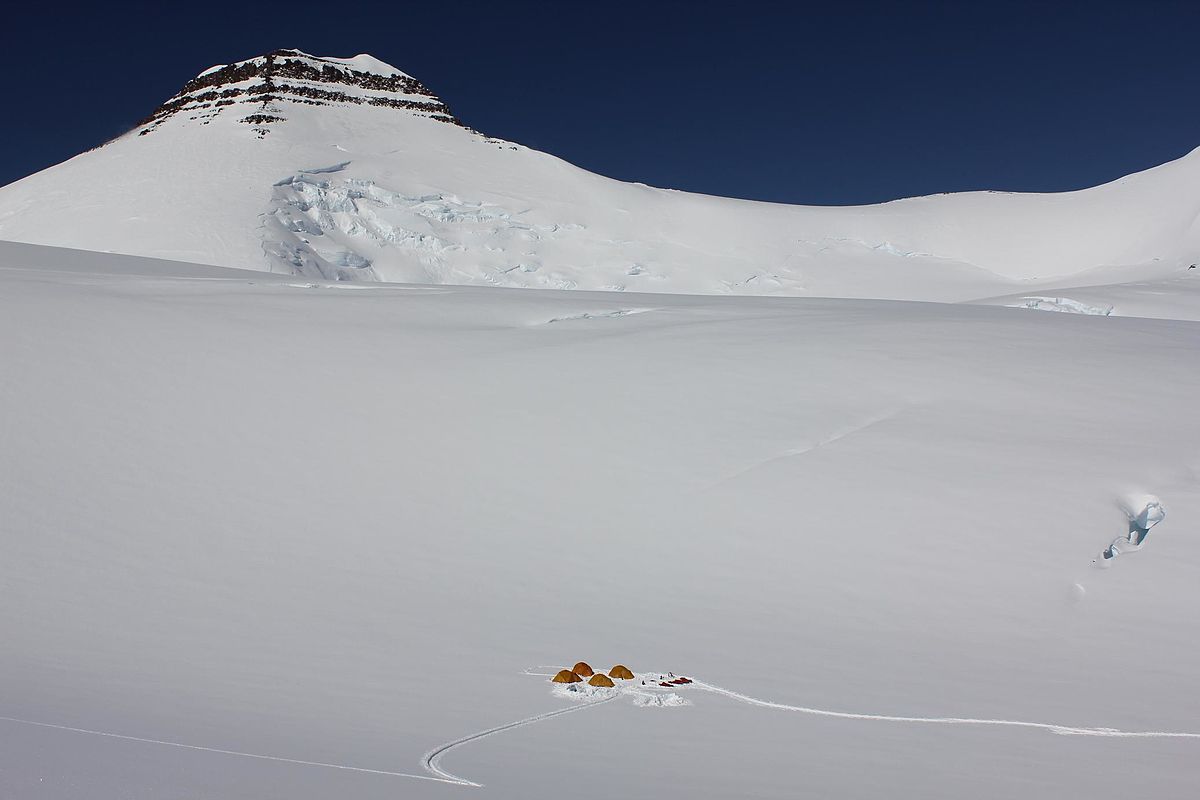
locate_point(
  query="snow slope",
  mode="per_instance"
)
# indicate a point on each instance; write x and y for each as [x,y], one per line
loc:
[1167,298]
[314,532]
[349,169]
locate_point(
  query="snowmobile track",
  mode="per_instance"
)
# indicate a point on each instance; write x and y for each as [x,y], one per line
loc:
[433,757]
[112,735]
[1065,730]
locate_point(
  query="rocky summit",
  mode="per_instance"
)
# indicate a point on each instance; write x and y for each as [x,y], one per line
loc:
[260,89]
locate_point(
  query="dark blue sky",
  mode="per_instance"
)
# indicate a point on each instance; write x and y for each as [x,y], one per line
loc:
[825,103]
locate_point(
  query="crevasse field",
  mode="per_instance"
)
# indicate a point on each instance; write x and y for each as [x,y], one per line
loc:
[312,474]
[339,524]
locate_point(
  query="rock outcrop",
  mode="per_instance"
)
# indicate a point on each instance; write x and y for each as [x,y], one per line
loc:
[259,90]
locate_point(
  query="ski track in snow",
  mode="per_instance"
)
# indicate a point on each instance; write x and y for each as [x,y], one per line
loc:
[1066,730]
[112,735]
[433,757]
[432,760]
[836,435]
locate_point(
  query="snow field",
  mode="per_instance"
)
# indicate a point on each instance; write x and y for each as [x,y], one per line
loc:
[330,527]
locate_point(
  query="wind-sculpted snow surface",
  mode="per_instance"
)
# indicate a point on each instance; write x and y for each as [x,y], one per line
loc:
[272,528]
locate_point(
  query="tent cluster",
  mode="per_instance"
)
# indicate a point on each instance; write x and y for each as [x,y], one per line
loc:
[577,673]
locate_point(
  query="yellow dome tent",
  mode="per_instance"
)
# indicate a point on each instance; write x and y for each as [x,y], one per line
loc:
[621,671]
[583,670]
[566,676]
[600,679]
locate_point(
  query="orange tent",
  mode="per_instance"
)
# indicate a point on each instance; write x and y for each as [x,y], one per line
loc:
[566,676]
[621,671]
[600,679]
[583,670]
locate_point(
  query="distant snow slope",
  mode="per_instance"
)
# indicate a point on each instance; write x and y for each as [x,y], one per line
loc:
[334,524]
[1169,298]
[349,169]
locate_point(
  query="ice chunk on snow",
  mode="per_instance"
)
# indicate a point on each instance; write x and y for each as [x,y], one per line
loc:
[1145,511]
[1064,304]
[620,312]
[1150,515]
[582,691]
[656,700]
[323,170]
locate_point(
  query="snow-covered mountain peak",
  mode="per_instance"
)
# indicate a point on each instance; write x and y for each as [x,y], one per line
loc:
[347,169]
[260,90]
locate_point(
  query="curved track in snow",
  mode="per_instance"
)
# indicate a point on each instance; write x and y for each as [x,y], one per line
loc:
[432,760]
[433,757]
[1066,730]
[239,753]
